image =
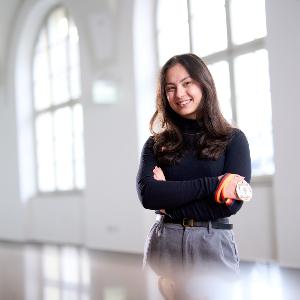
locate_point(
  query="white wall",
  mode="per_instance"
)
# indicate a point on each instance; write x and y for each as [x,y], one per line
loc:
[113,218]
[145,73]
[108,215]
[254,225]
[283,20]
[11,212]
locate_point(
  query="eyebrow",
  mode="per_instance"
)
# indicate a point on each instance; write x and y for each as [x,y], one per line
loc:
[183,79]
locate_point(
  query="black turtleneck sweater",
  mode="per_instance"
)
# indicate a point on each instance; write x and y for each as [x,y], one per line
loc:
[188,191]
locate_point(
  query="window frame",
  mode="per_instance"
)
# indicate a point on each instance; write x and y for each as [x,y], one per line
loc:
[71,103]
[228,55]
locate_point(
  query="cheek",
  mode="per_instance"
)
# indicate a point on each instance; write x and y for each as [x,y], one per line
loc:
[197,94]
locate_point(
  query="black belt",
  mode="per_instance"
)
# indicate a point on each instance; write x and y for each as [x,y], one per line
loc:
[194,223]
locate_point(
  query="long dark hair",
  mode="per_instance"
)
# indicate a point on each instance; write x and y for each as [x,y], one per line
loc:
[168,141]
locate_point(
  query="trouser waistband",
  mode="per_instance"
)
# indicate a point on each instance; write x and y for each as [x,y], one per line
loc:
[216,224]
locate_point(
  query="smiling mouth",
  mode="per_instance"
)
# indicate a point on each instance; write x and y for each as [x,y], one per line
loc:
[183,103]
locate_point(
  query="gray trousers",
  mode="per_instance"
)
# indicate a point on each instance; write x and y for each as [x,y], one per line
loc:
[173,247]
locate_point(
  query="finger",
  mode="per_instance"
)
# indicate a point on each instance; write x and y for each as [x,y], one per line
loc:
[156,171]
[158,177]
[160,170]
[159,173]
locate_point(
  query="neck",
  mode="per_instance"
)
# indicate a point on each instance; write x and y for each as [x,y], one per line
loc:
[188,125]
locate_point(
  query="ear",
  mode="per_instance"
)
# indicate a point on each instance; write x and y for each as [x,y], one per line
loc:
[167,288]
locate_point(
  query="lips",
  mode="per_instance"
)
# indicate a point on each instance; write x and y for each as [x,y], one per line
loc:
[183,103]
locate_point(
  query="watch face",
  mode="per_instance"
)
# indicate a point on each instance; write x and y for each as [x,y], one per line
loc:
[244,191]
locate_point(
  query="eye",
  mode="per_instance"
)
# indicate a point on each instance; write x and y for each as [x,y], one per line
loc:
[170,89]
[187,83]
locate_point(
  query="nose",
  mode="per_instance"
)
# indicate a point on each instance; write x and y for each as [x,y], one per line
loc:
[180,91]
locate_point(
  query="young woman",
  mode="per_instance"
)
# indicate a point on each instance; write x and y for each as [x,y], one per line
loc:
[192,172]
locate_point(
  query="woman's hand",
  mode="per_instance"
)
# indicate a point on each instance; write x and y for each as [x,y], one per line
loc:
[158,174]
[229,191]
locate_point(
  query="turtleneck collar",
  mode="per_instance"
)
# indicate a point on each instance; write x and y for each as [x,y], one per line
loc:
[188,125]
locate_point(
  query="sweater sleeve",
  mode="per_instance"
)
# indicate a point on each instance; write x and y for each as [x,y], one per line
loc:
[155,194]
[237,161]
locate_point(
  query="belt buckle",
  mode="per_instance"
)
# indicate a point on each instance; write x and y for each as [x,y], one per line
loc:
[188,222]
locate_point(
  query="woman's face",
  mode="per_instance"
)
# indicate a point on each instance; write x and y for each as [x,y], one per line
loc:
[184,93]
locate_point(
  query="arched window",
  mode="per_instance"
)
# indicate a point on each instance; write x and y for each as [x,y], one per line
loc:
[58,120]
[230,36]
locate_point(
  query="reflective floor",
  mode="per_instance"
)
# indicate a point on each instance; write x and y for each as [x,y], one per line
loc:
[48,272]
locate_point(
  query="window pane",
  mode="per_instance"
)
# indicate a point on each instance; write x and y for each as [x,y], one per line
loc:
[248,20]
[78,120]
[64,176]
[75,87]
[63,148]
[173,43]
[46,180]
[254,108]
[78,140]
[220,73]
[45,155]
[74,55]
[58,58]
[171,12]
[73,45]
[41,81]
[41,45]
[73,33]
[60,89]
[57,26]
[173,29]
[209,31]
[42,94]
[40,65]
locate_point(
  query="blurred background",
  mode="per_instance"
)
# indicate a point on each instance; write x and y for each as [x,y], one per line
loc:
[77,90]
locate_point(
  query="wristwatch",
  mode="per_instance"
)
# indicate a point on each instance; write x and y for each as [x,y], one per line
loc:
[243,190]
